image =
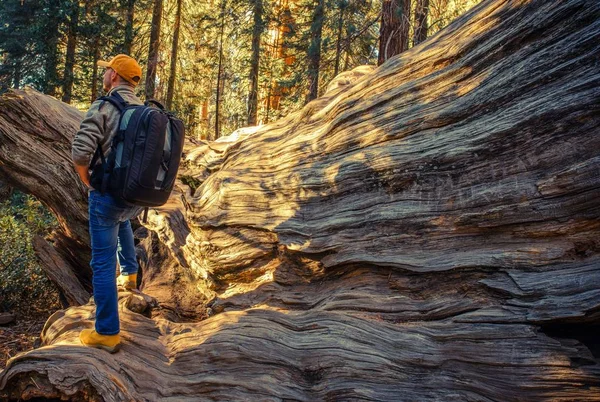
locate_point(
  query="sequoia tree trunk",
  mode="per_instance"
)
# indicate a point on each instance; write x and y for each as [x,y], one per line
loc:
[220,75]
[153,49]
[174,49]
[96,57]
[393,31]
[129,29]
[342,4]
[426,230]
[420,25]
[314,50]
[254,62]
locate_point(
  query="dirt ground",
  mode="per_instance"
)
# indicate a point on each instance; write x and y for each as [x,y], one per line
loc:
[23,334]
[19,336]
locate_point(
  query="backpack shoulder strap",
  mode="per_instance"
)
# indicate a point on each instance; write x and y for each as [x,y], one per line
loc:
[116,100]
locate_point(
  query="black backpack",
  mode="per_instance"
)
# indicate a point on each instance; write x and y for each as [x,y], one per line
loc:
[144,156]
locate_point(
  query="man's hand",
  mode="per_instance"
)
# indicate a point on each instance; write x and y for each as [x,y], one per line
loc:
[84,174]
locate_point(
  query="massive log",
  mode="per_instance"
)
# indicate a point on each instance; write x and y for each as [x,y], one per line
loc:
[35,137]
[425,231]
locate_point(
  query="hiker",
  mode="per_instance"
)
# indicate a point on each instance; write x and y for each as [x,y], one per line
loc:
[111,235]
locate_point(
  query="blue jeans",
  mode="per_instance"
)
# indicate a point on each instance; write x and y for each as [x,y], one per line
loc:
[111,239]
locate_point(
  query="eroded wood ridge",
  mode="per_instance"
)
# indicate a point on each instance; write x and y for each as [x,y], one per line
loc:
[426,230]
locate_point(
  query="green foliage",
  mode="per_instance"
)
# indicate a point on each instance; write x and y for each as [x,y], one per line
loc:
[33,39]
[23,284]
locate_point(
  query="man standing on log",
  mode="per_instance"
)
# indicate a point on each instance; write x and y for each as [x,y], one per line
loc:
[110,229]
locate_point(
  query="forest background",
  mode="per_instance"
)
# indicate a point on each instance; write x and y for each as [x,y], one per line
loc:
[218,64]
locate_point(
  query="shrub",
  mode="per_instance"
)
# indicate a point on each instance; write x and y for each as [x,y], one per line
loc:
[24,287]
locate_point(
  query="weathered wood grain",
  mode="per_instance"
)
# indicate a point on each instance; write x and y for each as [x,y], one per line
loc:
[428,230]
[35,156]
[58,271]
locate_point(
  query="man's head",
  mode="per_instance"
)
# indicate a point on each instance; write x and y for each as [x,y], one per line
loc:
[120,70]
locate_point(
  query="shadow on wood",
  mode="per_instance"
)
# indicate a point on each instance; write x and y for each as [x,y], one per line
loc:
[427,230]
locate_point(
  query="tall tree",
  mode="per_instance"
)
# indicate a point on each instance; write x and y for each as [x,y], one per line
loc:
[220,85]
[342,4]
[420,25]
[254,62]
[72,29]
[129,29]
[393,32]
[175,46]
[96,57]
[50,46]
[153,49]
[23,32]
[314,50]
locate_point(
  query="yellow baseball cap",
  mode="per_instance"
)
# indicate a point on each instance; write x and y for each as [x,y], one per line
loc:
[125,66]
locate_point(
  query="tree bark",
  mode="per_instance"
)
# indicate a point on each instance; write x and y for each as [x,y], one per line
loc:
[393,32]
[24,148]
[432,220]
[314,50]
[129,30]
[219,91]
[254,62]
[342,4]
[73,27]
[173,72]
[153,49]
[51,80]
[420,25]
[96,53]
[59,272]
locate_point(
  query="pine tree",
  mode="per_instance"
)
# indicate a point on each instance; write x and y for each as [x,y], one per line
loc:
[314,50]
[129,28]
[174,49]
[50,31]
[257,8]
[395,24]
[73,27]
[342,5]
[153,49]
[420,24]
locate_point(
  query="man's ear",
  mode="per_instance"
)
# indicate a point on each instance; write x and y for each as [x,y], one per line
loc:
[113,75]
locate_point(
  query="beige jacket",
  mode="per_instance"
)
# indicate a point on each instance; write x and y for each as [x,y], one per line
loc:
[99,126]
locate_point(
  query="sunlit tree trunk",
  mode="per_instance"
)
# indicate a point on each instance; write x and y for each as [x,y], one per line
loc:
[70,60]
[314,51]
[254,63]
[421,12]
[153,49]
[338,49]
[424,220]
[96,53]
[393,33]
[173,73]
[129,27]
[219,93]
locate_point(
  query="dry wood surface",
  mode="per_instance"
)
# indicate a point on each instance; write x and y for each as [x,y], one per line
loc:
[426,230]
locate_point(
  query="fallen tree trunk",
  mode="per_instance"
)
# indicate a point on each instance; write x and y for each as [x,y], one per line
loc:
[35,156]
[58,271]
[429,230]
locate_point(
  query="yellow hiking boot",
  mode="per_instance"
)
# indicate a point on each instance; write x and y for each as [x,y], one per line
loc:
[129,282]
[110,343]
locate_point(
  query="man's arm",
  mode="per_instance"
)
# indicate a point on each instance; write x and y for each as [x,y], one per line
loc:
[84,174]
[87,139]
